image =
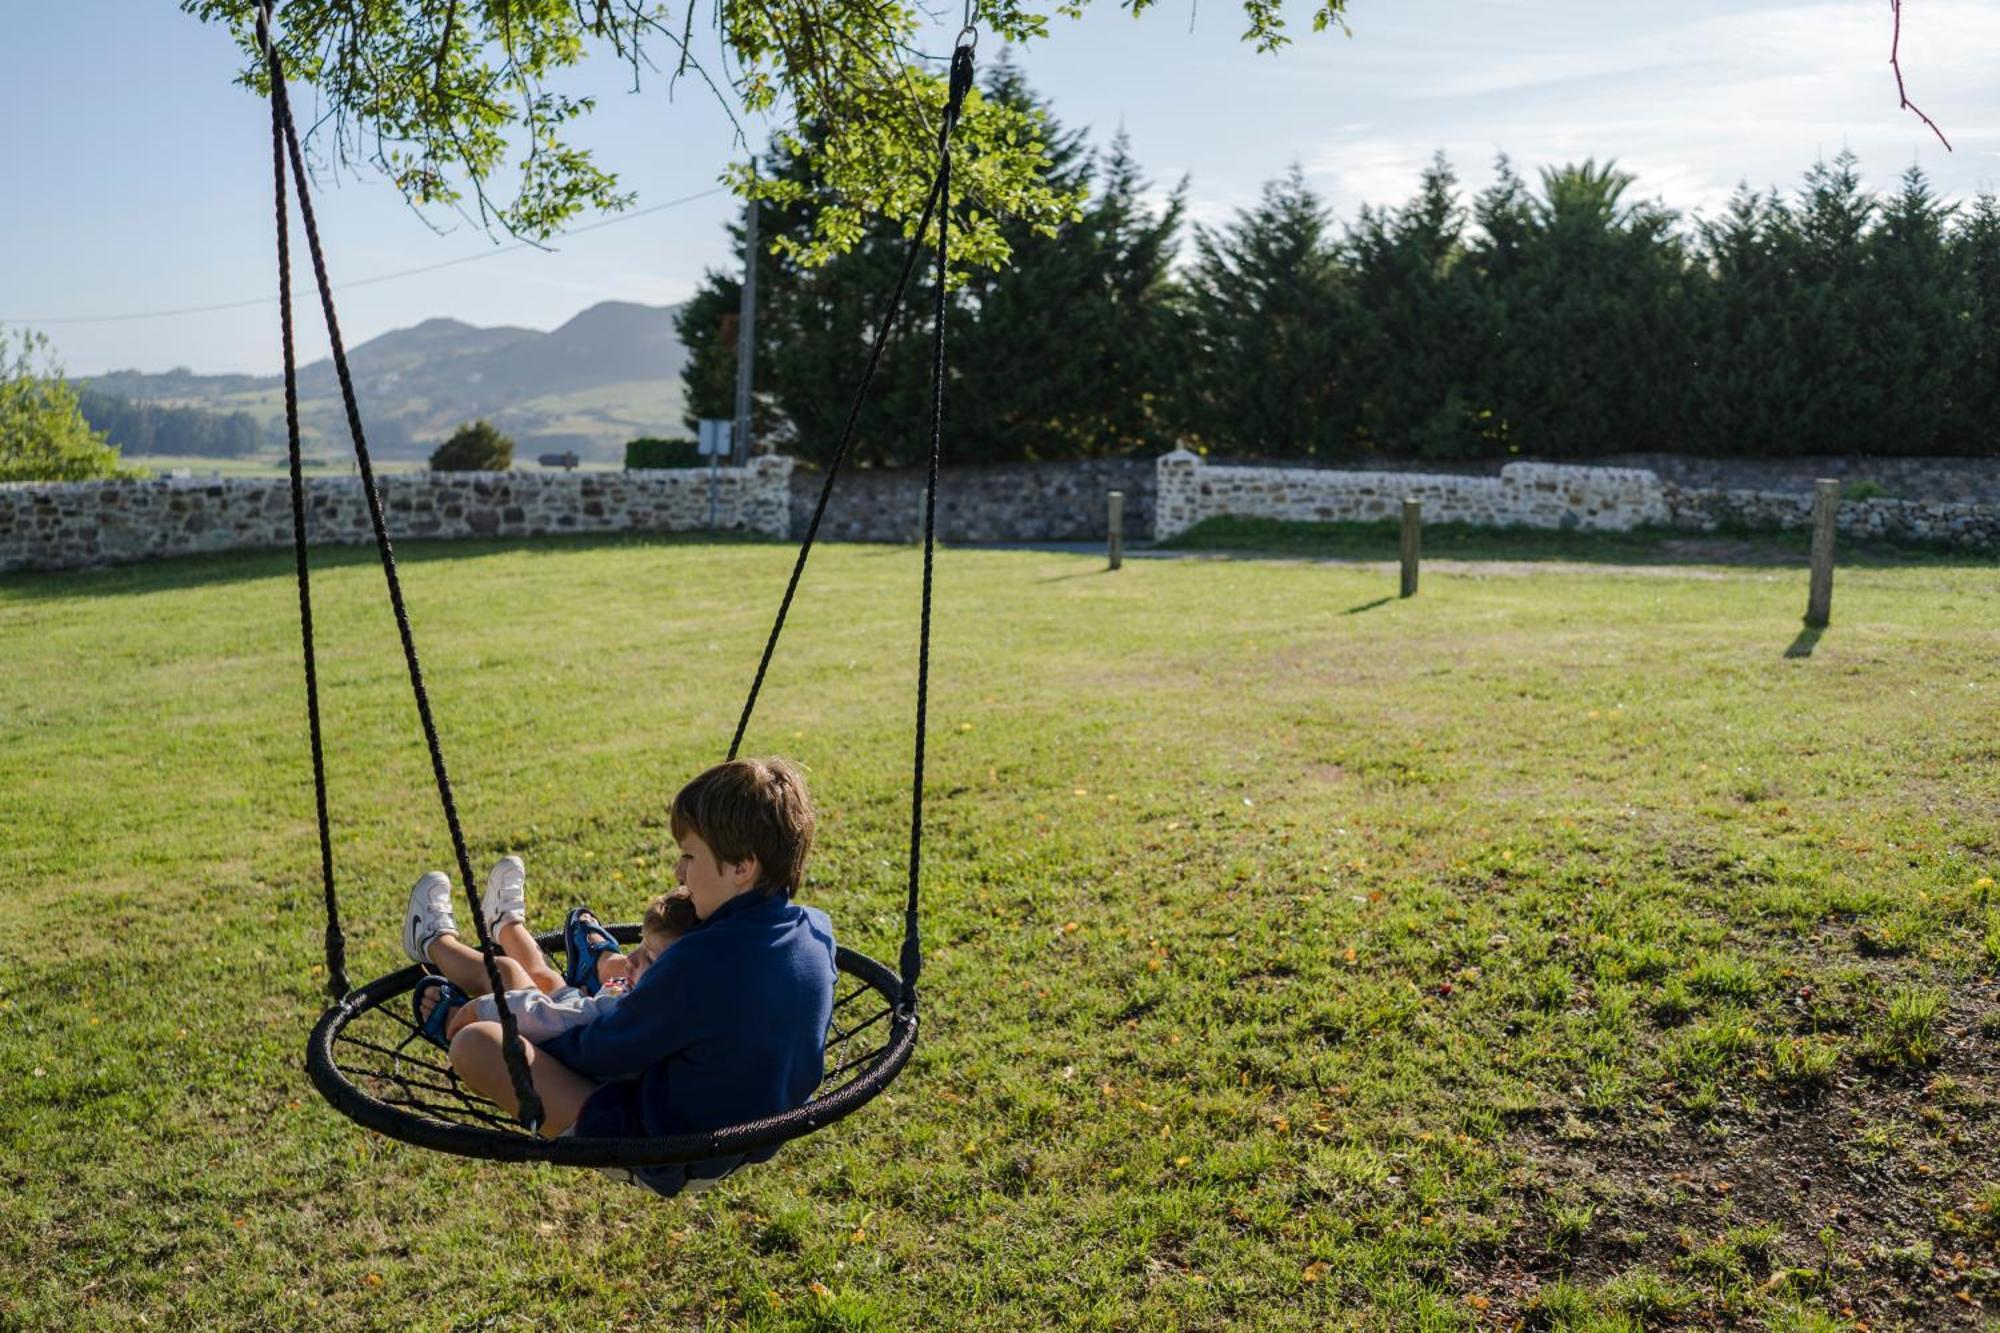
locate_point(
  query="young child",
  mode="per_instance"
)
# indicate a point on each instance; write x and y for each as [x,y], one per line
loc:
[596,977]
[728,1025]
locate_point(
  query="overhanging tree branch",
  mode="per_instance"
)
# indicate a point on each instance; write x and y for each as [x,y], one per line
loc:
[1896,64]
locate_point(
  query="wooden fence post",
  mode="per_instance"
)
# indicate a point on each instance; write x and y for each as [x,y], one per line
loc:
[1413,523]
[1819,597]
[1117,529]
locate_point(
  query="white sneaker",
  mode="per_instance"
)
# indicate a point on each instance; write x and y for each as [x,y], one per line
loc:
[429,915]
[506,893]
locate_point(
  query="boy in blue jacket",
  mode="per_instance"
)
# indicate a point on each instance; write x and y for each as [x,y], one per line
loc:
[728,1025]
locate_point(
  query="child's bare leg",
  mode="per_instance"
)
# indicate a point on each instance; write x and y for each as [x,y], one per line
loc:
[518,943]
[476,1055]
[464,968]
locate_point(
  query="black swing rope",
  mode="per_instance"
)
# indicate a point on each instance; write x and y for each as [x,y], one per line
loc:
[425,1129]
[284,131]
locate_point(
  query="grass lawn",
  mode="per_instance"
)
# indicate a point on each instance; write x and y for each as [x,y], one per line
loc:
[276,464]
[1587,948]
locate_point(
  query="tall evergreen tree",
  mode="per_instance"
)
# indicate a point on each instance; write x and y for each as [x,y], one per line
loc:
[1840,402]
[1585,298]
[1748,394]
[1412,361]
[1071,351]
[1271,316]
[1912,309]
[1064,352]
[1976,255]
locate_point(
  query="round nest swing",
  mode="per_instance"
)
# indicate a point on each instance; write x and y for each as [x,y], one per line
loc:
[366,1055]
[370,1062]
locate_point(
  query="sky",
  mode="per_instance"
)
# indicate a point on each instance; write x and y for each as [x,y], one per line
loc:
[135,175]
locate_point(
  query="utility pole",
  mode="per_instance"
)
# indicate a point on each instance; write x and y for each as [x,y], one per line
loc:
[746,333]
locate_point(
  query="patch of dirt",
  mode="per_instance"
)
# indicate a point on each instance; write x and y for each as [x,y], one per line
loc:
[1727,551]
[1858,1179]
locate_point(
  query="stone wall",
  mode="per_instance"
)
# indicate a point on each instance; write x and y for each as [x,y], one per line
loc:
[1964,480]
[79,524]
[96,523]
[1543,495]
[1001,502]
[1961,480]
[1531,495]
[1968,527]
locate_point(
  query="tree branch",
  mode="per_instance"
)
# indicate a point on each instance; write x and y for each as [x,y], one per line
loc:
[1896,64]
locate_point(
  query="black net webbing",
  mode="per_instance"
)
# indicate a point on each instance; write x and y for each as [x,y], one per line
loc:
[369,1061]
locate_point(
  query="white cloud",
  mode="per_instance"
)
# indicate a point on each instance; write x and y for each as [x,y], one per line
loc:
[1692,107]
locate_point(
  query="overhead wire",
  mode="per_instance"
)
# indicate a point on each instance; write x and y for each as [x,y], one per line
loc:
[364,282]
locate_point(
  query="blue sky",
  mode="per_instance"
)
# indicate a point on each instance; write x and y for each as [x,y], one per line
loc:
[137,176]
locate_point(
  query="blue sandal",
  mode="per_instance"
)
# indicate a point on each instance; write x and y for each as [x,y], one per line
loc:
[450,999]
[584,940]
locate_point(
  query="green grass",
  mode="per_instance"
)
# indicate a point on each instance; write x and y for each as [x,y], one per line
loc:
[275,464]
[1284,968]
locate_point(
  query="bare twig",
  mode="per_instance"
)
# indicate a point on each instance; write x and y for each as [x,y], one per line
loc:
[1895,63]
[444,44]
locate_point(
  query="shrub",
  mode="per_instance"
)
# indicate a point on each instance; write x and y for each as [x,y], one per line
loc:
[650,451]
[43,433]
[1865,489]
[474,448]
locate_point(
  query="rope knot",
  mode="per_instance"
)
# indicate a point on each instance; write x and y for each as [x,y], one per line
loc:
[961,82]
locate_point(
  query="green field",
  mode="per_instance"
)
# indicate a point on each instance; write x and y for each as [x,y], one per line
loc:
[1580,948]
[277,465]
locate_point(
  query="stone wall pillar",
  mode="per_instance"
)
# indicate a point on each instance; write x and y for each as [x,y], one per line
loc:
[1177,504]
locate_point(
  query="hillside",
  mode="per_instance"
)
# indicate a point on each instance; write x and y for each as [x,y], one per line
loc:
[610,373]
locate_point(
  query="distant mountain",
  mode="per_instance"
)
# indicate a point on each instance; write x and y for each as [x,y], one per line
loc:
[608,375]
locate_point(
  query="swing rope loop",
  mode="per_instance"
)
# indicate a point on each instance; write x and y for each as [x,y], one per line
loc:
[336,942]
[912,961]
[937,204]
[284,130]
[881,1065]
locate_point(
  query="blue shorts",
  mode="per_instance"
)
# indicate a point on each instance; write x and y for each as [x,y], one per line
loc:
[612,1112]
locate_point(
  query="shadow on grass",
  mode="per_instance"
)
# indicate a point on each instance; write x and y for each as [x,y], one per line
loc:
[199,570]
[1807,641]
[1367,606]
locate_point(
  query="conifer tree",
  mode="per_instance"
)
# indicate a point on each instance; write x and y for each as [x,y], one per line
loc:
[1065,352]
[1911,307]
[1270,318]
[1747,395]
[1584,297]
[1975,428]
[1839,400]
[1411,361]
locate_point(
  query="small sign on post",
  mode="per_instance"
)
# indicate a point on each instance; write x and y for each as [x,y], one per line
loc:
[1413,526]
[1819,595]
[1116,540]
[713,440]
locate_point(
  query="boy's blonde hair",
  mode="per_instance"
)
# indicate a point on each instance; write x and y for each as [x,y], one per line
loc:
[751,807]
[670,914]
